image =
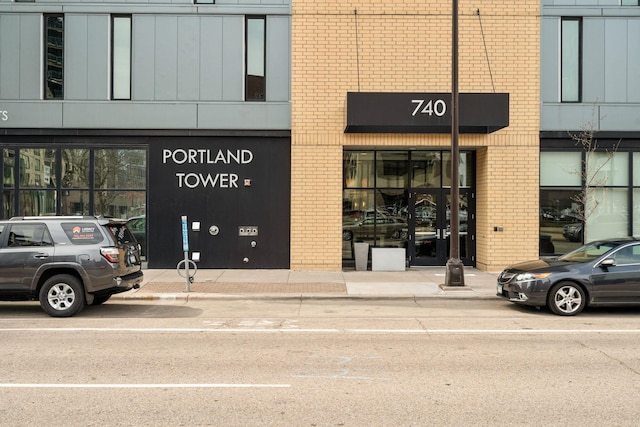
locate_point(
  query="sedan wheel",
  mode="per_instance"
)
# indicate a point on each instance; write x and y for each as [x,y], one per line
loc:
[566,299]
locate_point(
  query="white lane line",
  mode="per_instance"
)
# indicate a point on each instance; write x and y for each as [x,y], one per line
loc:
[332,330]
[52,385]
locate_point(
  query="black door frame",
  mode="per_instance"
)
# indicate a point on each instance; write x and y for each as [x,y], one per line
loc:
[440,238]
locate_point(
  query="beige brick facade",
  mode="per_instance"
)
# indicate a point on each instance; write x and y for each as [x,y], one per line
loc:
[405,46]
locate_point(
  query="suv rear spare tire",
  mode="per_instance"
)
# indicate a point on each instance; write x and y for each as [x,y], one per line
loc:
[62,296]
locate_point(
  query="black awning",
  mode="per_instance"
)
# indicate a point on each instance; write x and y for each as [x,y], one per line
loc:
[386,112]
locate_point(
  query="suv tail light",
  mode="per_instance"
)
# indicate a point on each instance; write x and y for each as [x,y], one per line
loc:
[111,254]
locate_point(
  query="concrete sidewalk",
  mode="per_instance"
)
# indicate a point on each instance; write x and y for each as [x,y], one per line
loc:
[415,282]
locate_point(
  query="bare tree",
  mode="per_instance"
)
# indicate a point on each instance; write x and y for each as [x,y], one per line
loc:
[593,179]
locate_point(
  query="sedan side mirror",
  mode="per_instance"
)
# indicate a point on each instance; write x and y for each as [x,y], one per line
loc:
[607,262]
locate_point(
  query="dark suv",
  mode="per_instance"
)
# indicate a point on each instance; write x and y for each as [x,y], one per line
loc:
[67,262]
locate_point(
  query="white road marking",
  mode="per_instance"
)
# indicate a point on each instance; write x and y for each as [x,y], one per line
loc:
[53,385]
[333,330]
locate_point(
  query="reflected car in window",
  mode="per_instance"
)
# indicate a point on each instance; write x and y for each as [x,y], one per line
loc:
[138,227]
[383,226]
[572,232]
[604,272]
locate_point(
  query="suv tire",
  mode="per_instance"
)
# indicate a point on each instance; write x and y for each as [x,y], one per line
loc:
[62,296]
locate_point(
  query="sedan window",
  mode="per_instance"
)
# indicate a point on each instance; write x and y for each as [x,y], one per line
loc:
[588,252]
[628,255]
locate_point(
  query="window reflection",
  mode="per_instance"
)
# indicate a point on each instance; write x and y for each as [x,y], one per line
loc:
[119,204]
[37,168]
[121,57]
[255,58]
[375,217]
[8,203]
[392,169]
[74,202]
[358,169]
[8,166]
[75,168]
[465,169]
[54,54]
[570,59]
[37,202]
[636,212]
[119,168]
[376,193]
[608,215]
[426,169]
[560,223]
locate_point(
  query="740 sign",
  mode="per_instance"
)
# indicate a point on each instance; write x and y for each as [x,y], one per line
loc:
[436,108]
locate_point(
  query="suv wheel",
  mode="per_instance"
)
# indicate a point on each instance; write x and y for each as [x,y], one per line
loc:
[62,296]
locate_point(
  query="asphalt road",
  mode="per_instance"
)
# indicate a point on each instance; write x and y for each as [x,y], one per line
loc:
[431,362]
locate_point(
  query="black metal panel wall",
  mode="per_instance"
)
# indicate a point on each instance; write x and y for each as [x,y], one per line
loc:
[237,186]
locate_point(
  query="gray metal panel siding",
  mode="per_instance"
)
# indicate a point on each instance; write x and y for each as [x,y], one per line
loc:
[143,68]
[233,58]
[611,62]
[29,114]
[75,64]
[20,75]
[210,53]
[593,66]
[187,68]
[278,58]
[9,56]
[188,57]
[166,58]
[127,115]
[244,115]
[98,64]
[633,58]
[615,60]
[31,78]
[549,57]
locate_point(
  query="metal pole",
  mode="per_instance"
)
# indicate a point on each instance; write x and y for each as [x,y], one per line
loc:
[185,249]
[454,272]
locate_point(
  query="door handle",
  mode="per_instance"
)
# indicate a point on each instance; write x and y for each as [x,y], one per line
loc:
[437,233]
[41,256]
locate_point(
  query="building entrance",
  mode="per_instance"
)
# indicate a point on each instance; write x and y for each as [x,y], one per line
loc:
[429,223]
[402,199]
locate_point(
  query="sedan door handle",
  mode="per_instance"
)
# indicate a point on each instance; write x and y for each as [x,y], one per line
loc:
[41,256]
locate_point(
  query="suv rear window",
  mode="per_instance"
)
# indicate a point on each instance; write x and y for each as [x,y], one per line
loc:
[121,233]
[82,233]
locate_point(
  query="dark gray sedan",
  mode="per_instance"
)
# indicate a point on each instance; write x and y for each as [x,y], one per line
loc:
[605,272]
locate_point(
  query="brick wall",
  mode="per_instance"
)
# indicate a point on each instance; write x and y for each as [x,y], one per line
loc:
[405,46]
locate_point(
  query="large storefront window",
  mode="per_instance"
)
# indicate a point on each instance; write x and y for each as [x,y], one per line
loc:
[607,188]
[75,181]
[392,198]
[636,196]
[560,181]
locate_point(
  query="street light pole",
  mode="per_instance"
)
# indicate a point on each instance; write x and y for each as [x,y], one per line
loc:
[454,270]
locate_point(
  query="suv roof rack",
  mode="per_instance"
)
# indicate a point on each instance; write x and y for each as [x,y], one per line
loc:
[43,217]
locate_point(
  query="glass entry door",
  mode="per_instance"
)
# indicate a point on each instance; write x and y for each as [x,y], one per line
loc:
[430,228]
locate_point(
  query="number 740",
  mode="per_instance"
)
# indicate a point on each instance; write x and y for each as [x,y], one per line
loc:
[430,107]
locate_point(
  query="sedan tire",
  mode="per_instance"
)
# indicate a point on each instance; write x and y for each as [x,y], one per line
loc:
[62,296]
[566,299]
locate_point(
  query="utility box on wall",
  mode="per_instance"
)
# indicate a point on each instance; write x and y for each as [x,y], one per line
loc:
[238,190]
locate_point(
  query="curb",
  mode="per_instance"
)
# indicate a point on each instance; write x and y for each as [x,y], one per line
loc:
[184,296]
